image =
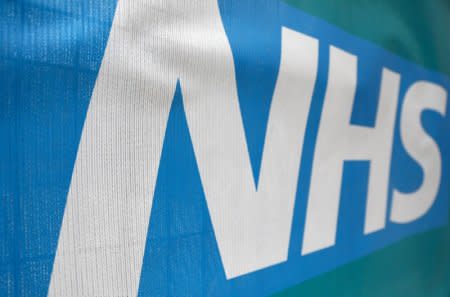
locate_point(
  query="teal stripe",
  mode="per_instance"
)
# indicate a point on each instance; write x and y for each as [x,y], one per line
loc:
[416,30]
[415,267]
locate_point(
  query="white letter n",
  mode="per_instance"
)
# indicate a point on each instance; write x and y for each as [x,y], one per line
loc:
[153,44]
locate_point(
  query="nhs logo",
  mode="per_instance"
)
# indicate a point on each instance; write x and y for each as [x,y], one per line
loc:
[245,159]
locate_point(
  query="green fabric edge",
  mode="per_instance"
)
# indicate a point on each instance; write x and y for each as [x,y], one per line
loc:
[418,266]
[416,30]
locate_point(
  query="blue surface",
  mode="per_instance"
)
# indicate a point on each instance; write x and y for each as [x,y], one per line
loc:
[49,59]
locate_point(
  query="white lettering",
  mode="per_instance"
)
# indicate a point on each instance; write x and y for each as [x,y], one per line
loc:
[407,207]
[103,234]
[337,141]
